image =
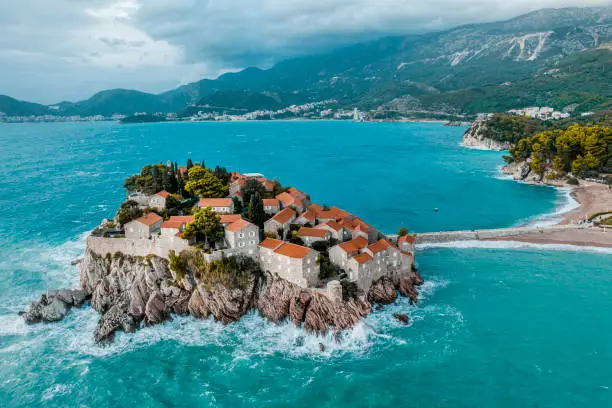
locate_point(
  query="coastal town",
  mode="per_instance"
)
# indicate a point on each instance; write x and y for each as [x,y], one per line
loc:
[299,241]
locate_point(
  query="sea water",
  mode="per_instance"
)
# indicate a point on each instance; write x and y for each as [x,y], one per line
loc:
[497,324]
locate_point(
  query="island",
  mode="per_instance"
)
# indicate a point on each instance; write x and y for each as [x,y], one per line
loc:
[191,240]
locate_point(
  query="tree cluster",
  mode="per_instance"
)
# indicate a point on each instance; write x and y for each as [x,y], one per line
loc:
[582,150]
[153,179]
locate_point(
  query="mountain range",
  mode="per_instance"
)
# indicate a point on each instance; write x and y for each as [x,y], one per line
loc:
[556,57]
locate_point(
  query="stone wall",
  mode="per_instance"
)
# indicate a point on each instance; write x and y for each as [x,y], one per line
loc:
[159,246]
[475,235]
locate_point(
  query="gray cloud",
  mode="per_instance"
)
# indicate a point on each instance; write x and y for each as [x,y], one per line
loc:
[69,49]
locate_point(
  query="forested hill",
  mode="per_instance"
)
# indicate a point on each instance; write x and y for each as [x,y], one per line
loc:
[555,57]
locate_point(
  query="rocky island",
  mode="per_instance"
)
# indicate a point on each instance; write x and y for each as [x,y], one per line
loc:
[207,242]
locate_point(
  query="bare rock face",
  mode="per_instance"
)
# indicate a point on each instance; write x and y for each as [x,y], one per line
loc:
[402,318]
[130,292]
[54,305]
[382,291]
[274,301]
[475,137]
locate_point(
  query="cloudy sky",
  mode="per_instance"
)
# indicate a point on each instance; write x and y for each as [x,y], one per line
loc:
[53,50]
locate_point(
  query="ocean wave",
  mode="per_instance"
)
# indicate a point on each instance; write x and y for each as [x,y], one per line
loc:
[513,245]
[253,335]
[564,204]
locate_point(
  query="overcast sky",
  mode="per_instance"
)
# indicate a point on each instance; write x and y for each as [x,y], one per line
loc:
[53,50]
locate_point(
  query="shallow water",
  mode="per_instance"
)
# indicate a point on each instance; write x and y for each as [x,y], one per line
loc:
[497,325]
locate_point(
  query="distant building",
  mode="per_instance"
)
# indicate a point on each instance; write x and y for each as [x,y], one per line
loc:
[241,233]
[143,227]
[271,205]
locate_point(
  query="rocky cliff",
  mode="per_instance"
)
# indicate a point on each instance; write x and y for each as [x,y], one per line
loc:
[131,292]
[475,138]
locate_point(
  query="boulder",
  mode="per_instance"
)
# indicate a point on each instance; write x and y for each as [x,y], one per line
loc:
[382,291]
[402,318]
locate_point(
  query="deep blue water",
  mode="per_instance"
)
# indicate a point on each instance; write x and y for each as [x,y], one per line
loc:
[496,326]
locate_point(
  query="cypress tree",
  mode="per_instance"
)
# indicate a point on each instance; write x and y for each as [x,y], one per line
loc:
[189,163]
[156,180]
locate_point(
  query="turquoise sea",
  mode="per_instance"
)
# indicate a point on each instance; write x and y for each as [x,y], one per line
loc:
[499,325]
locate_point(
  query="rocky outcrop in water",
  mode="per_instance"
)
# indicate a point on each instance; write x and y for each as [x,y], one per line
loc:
[475,138]
[131,292]
[54,305]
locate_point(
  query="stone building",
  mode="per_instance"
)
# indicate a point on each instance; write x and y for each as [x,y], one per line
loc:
[310,235]
[143,227]
[158,200]
[294,263]
[280,222]
[218,205]
[271,205]
[241,233]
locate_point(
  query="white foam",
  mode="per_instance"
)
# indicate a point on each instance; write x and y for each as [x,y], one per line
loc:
[564,204]
[514,245]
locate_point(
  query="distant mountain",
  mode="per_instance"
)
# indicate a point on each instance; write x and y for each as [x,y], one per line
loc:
[550,56]
[13,107]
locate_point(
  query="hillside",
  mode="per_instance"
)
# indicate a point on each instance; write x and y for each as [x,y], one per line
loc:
[13,107]
[556,57]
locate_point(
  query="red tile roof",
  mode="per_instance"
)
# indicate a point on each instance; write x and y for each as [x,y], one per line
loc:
[315,208]
[309,216]
[215,202]
[271,202]
[292,250]
[333,213]
[362,258]
[286,199]
[410,239]
[183,170]
[332,224]
[163,194]
[270,243]
[354,244]
[149,219]
[235,226]
[296,193]
[230,218]
[177,221]
[311,232]
[379,246]
[268,185]
[283,216]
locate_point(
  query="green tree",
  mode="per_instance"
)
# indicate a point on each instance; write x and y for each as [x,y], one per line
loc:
[156,179]
[402,231]
[559,165]
[128,211]
[238,208]
[206,226]
[255,211]
[222,174]
[204,184]
[189,164]
[252,187]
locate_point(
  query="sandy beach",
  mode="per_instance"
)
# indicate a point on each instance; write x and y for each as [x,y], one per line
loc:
[593,198]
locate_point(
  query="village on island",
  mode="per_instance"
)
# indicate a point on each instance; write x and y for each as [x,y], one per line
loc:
[173,208]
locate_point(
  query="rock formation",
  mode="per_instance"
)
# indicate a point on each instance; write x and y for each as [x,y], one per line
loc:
[130,292]
[474,138]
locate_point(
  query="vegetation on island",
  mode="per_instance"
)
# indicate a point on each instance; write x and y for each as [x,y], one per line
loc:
[203,183]
[231,272]
[206,227]
[585,151]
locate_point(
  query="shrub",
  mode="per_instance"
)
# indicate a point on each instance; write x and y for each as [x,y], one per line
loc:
[573,181]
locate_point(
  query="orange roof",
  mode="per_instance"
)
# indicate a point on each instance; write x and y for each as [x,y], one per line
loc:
[177,221]
[315,208]
[149,219]
[268,185]
[332,224]
[183,169]
[406,252]
[308,215]
[270,243]
[163,194]
[354,244]
[283,216]
[271,202]
[215,202]
[292,250]
[230,218]
[286,199]
[333,213]
[296,193]
[410,239]
[378,246]
[361,258]
[235,226]
[311,232]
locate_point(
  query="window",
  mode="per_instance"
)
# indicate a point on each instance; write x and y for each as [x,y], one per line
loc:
[241,235]
[242,244]
[252,242]
[252,233]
